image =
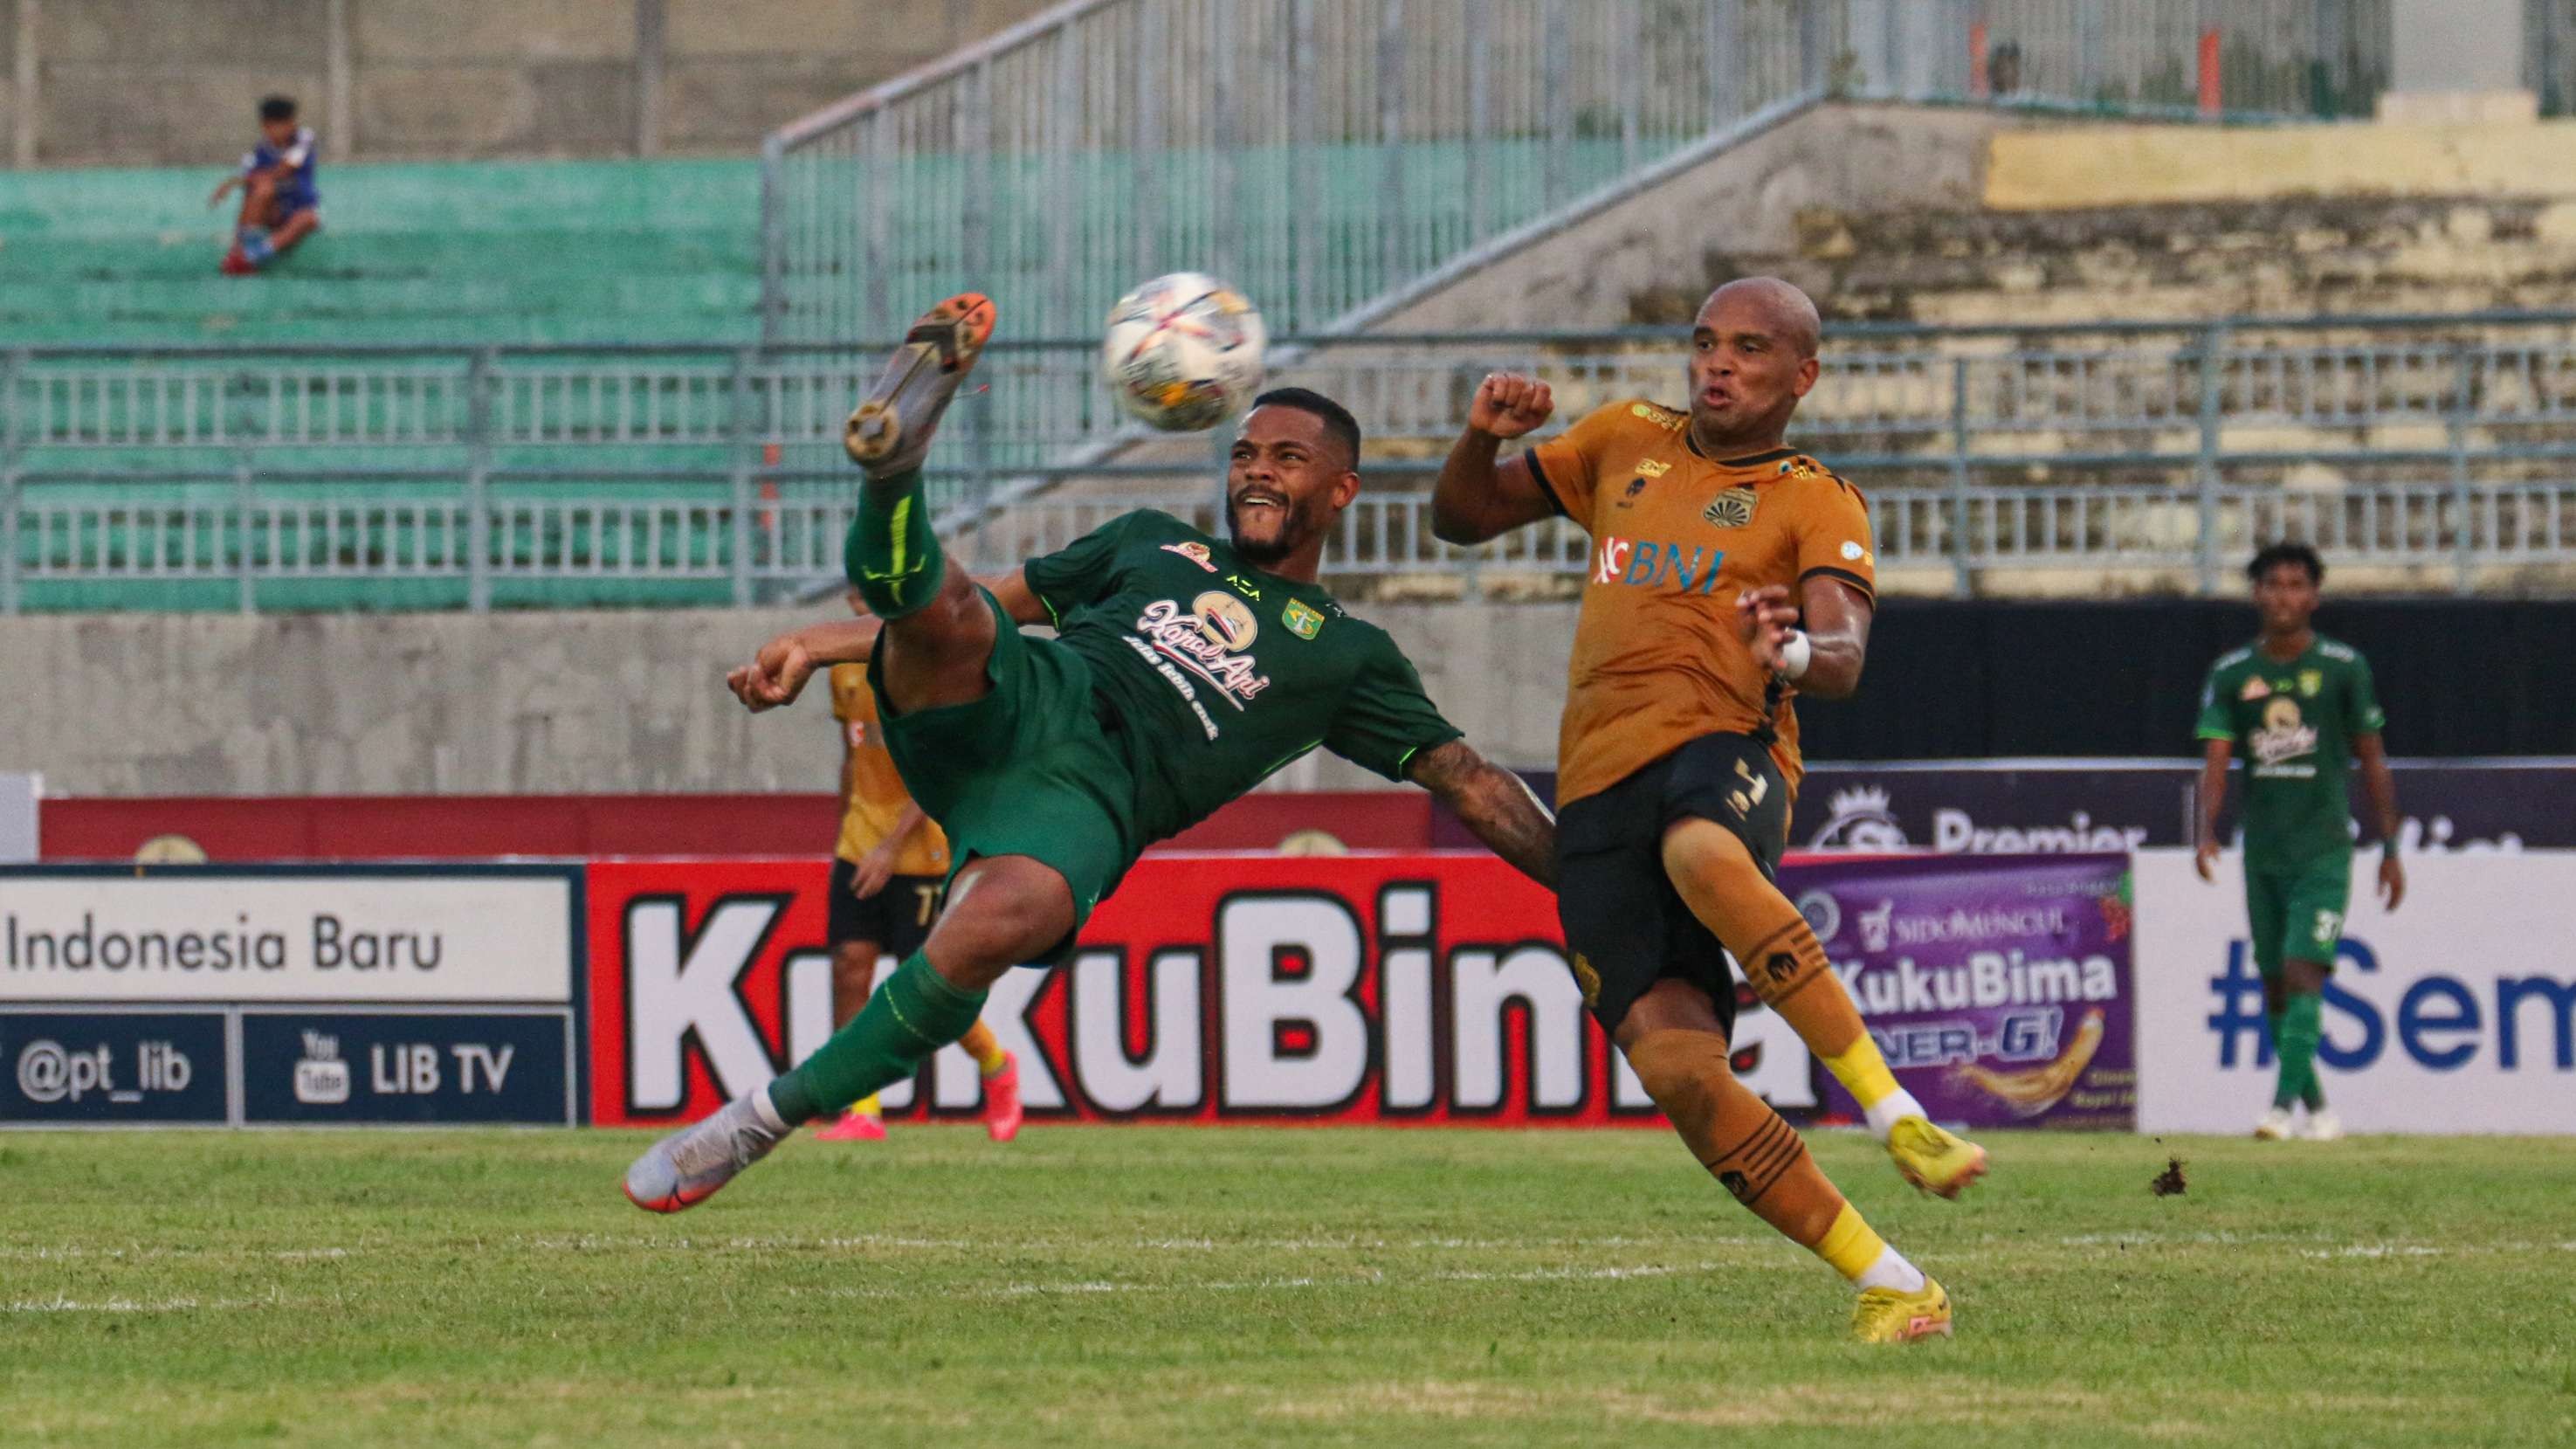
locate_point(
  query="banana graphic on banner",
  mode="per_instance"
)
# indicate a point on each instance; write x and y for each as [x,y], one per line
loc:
[2031,1092]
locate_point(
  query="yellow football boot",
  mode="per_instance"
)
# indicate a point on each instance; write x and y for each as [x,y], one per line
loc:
[1932,1159]
[1884,1315]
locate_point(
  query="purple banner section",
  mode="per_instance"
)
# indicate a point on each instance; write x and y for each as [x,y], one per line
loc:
[1997,985]
[2010,807]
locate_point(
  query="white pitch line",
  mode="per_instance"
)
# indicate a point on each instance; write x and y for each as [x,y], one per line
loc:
[41,1254]
[62,1304]
[1367,1279]
[1375,1279]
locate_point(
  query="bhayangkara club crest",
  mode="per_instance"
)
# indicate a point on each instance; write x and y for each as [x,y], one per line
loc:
[1730,509]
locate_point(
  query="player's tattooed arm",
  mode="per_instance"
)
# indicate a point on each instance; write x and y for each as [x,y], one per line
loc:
[1832,614]
[1494,804]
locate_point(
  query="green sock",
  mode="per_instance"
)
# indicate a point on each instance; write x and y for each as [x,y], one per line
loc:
[2300,1028]
[892,555]
[914,1014]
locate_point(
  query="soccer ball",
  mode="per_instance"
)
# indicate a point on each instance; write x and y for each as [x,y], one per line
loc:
[1183,352]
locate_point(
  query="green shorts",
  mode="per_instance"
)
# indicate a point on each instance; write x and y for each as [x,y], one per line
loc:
[1026,770]
[2297,915]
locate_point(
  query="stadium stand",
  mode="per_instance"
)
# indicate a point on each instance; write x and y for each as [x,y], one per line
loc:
[272,472]
[364,458]
[486,252]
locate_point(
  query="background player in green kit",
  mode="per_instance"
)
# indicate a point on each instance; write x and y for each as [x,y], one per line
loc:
[2300,708]
[1186,669]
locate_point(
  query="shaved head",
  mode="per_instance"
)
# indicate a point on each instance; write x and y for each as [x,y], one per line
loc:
[1753,355]
[1791,313]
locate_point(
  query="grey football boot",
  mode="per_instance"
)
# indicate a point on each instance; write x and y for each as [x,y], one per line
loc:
[685,1168]
[889,434]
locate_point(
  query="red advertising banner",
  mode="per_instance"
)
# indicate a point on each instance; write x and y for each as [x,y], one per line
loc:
[1361,988]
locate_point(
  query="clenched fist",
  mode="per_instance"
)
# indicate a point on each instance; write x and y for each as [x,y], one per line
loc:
[775,676]
[1508,405]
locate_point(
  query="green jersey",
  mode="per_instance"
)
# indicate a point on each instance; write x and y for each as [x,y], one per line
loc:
[2293,725]
[1211,674]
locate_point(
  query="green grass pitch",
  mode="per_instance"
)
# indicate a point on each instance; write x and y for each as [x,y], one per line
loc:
[1198,1287]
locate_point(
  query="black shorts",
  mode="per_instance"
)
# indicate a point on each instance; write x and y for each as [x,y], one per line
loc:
[897,918]
[1625,923]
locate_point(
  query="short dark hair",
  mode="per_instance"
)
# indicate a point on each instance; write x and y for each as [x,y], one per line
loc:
[277,108]
[2274,554]
[1337,418]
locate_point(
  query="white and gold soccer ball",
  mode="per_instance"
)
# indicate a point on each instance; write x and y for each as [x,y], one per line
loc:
[1183,352]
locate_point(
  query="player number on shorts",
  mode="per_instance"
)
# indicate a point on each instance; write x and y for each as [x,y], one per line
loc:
[1755,787]
[2329,927]
[929,895]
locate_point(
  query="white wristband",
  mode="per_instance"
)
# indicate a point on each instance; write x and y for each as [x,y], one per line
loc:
[1796,654]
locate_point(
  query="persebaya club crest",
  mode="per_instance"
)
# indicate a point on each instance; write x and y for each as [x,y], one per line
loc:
[1731,509]
[1302,620]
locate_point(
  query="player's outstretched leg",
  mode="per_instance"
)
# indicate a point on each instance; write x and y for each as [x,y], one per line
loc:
[892,556]
[1002,910]
[1764,1163]
[1723,885]
[685,1168]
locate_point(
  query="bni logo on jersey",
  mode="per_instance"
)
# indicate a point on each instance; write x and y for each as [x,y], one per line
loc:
[1651,564]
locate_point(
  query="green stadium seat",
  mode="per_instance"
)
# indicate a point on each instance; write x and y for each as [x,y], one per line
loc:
[553,251]
[445,253]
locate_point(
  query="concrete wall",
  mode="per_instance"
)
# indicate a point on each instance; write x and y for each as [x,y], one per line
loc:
[174,82]
[1653,256]
[2455,45]
[2100,166]
[138,704]
[1948,215]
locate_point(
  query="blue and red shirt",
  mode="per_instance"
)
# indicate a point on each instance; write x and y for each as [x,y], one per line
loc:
[298,190]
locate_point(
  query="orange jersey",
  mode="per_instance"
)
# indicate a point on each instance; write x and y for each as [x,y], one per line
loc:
[1675,538]
[876,795]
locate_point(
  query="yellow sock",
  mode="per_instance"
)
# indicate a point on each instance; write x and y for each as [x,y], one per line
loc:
[985,1048]
[1863,1072]
[1850,1245]
[869,1106]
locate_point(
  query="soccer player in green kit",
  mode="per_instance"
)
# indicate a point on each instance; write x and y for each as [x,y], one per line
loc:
[1186,669]
[2301,708]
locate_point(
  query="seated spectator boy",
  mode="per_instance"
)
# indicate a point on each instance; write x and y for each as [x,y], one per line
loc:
[280,204]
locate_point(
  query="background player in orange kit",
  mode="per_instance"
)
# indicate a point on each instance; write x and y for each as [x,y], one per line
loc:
[889,879]
[1678,756]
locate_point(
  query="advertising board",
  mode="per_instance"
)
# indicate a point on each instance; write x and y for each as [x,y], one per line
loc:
[2454,1013]
[1389,988]
[297,995]
[1998,987]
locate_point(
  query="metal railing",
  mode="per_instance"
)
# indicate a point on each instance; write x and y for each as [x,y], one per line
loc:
[1322,153]
[247,532]
[509,471]
[2481,385]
